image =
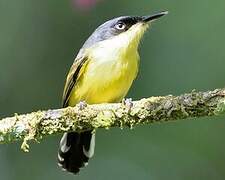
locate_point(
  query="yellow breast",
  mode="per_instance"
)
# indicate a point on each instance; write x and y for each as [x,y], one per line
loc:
[112,66]
[105,81]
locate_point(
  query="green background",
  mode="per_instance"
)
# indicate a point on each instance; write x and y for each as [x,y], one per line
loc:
[181,52]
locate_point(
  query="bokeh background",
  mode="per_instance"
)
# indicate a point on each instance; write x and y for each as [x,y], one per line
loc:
[181,52]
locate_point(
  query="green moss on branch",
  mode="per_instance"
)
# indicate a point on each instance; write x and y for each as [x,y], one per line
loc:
[36,125]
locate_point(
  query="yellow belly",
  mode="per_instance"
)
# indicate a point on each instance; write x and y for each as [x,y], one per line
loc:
[105,81]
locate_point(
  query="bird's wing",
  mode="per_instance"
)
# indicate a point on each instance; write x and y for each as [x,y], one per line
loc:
[72,77]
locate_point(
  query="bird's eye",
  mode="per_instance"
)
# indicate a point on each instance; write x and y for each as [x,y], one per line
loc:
[120,26]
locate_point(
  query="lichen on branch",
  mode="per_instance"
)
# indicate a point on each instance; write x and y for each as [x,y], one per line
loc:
[83,117]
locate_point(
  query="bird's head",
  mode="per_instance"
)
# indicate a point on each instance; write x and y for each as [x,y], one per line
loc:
[124,30]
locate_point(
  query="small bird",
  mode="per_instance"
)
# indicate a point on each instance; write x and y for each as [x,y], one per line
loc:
[102,72]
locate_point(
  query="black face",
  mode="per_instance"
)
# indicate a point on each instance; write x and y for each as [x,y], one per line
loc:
[124,24]
[111,28]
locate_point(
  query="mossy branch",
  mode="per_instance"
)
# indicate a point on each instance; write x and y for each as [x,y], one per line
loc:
[36,125]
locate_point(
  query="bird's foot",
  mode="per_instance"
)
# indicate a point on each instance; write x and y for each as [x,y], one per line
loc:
[82,105]
[127,103]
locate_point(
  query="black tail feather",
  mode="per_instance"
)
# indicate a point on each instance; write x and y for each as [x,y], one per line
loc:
[71,155]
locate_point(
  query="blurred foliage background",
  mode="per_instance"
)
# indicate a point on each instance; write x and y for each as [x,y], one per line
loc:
[181,52]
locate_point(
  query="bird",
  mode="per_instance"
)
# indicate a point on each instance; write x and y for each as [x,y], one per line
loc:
[102,72]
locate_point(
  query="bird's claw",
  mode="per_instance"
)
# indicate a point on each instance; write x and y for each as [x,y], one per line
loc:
[81,105]
[127,103]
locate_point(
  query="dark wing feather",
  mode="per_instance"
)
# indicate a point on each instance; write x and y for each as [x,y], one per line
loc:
[72,78]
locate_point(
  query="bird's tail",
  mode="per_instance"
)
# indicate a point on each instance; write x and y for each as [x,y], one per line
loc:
[75,150]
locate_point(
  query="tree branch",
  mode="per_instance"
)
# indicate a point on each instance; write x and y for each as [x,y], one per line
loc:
[36,125]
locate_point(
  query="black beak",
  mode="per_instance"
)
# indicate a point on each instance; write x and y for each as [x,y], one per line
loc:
[154,16]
